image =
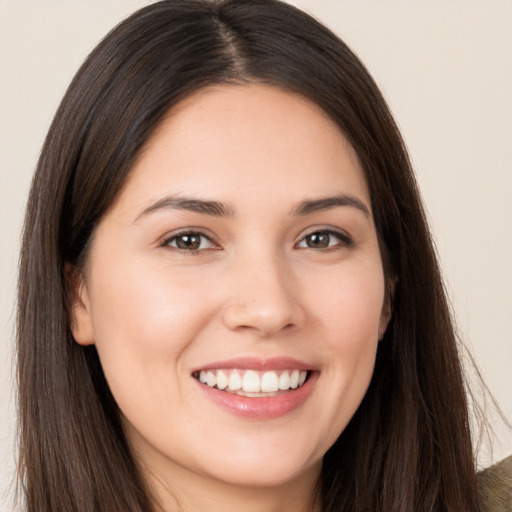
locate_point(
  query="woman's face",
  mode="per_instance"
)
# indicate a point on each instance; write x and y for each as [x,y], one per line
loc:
[241,254]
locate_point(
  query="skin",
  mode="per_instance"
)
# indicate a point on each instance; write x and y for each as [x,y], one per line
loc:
[256,287]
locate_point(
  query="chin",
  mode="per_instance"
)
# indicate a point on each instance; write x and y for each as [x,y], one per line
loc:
[266,474]
[264,468]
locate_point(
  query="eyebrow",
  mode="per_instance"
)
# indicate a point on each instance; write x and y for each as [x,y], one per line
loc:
[326,203]
[219,209]
[213,208]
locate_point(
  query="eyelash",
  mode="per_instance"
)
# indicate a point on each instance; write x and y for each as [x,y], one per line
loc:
[344,241]
[190,233]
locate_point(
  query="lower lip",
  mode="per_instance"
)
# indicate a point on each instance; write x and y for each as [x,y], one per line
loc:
[261,408]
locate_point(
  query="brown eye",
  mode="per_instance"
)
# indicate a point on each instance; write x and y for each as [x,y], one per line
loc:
[323,240]
[190,242]
[319,240]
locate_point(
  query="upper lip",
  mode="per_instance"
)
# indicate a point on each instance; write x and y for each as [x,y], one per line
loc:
[258,364]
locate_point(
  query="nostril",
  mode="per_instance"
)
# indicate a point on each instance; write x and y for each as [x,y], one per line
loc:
[264,317]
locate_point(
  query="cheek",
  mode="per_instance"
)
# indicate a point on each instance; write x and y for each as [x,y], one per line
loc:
[349,306]
[347,314]
[143,321]
[353,322]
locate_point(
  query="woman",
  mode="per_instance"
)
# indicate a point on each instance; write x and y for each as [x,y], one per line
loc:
[228,292]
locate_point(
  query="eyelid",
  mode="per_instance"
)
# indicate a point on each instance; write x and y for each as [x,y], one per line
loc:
[346,239]
[169,237]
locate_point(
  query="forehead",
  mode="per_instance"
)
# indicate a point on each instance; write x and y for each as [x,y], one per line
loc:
[246,138]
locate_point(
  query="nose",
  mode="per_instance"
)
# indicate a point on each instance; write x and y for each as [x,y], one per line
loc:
[264,299]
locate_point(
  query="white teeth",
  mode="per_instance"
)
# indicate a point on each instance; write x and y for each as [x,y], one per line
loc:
[211,380]
[284,380]
[222,380]
[269,382]
[294,379]
[250,381]
[235,381]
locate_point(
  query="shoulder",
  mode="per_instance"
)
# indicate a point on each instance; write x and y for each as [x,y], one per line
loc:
[495,486]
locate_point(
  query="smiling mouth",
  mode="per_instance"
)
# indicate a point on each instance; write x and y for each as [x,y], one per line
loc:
[253,383]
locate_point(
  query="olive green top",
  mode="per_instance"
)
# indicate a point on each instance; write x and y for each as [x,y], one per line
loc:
[495,485]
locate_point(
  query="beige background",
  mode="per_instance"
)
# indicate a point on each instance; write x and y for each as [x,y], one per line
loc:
[444,65]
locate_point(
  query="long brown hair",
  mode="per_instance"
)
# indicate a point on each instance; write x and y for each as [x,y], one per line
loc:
[408,447]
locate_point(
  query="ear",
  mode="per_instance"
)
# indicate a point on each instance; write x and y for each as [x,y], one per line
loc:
[81,317]
[387,308]
[385,317]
